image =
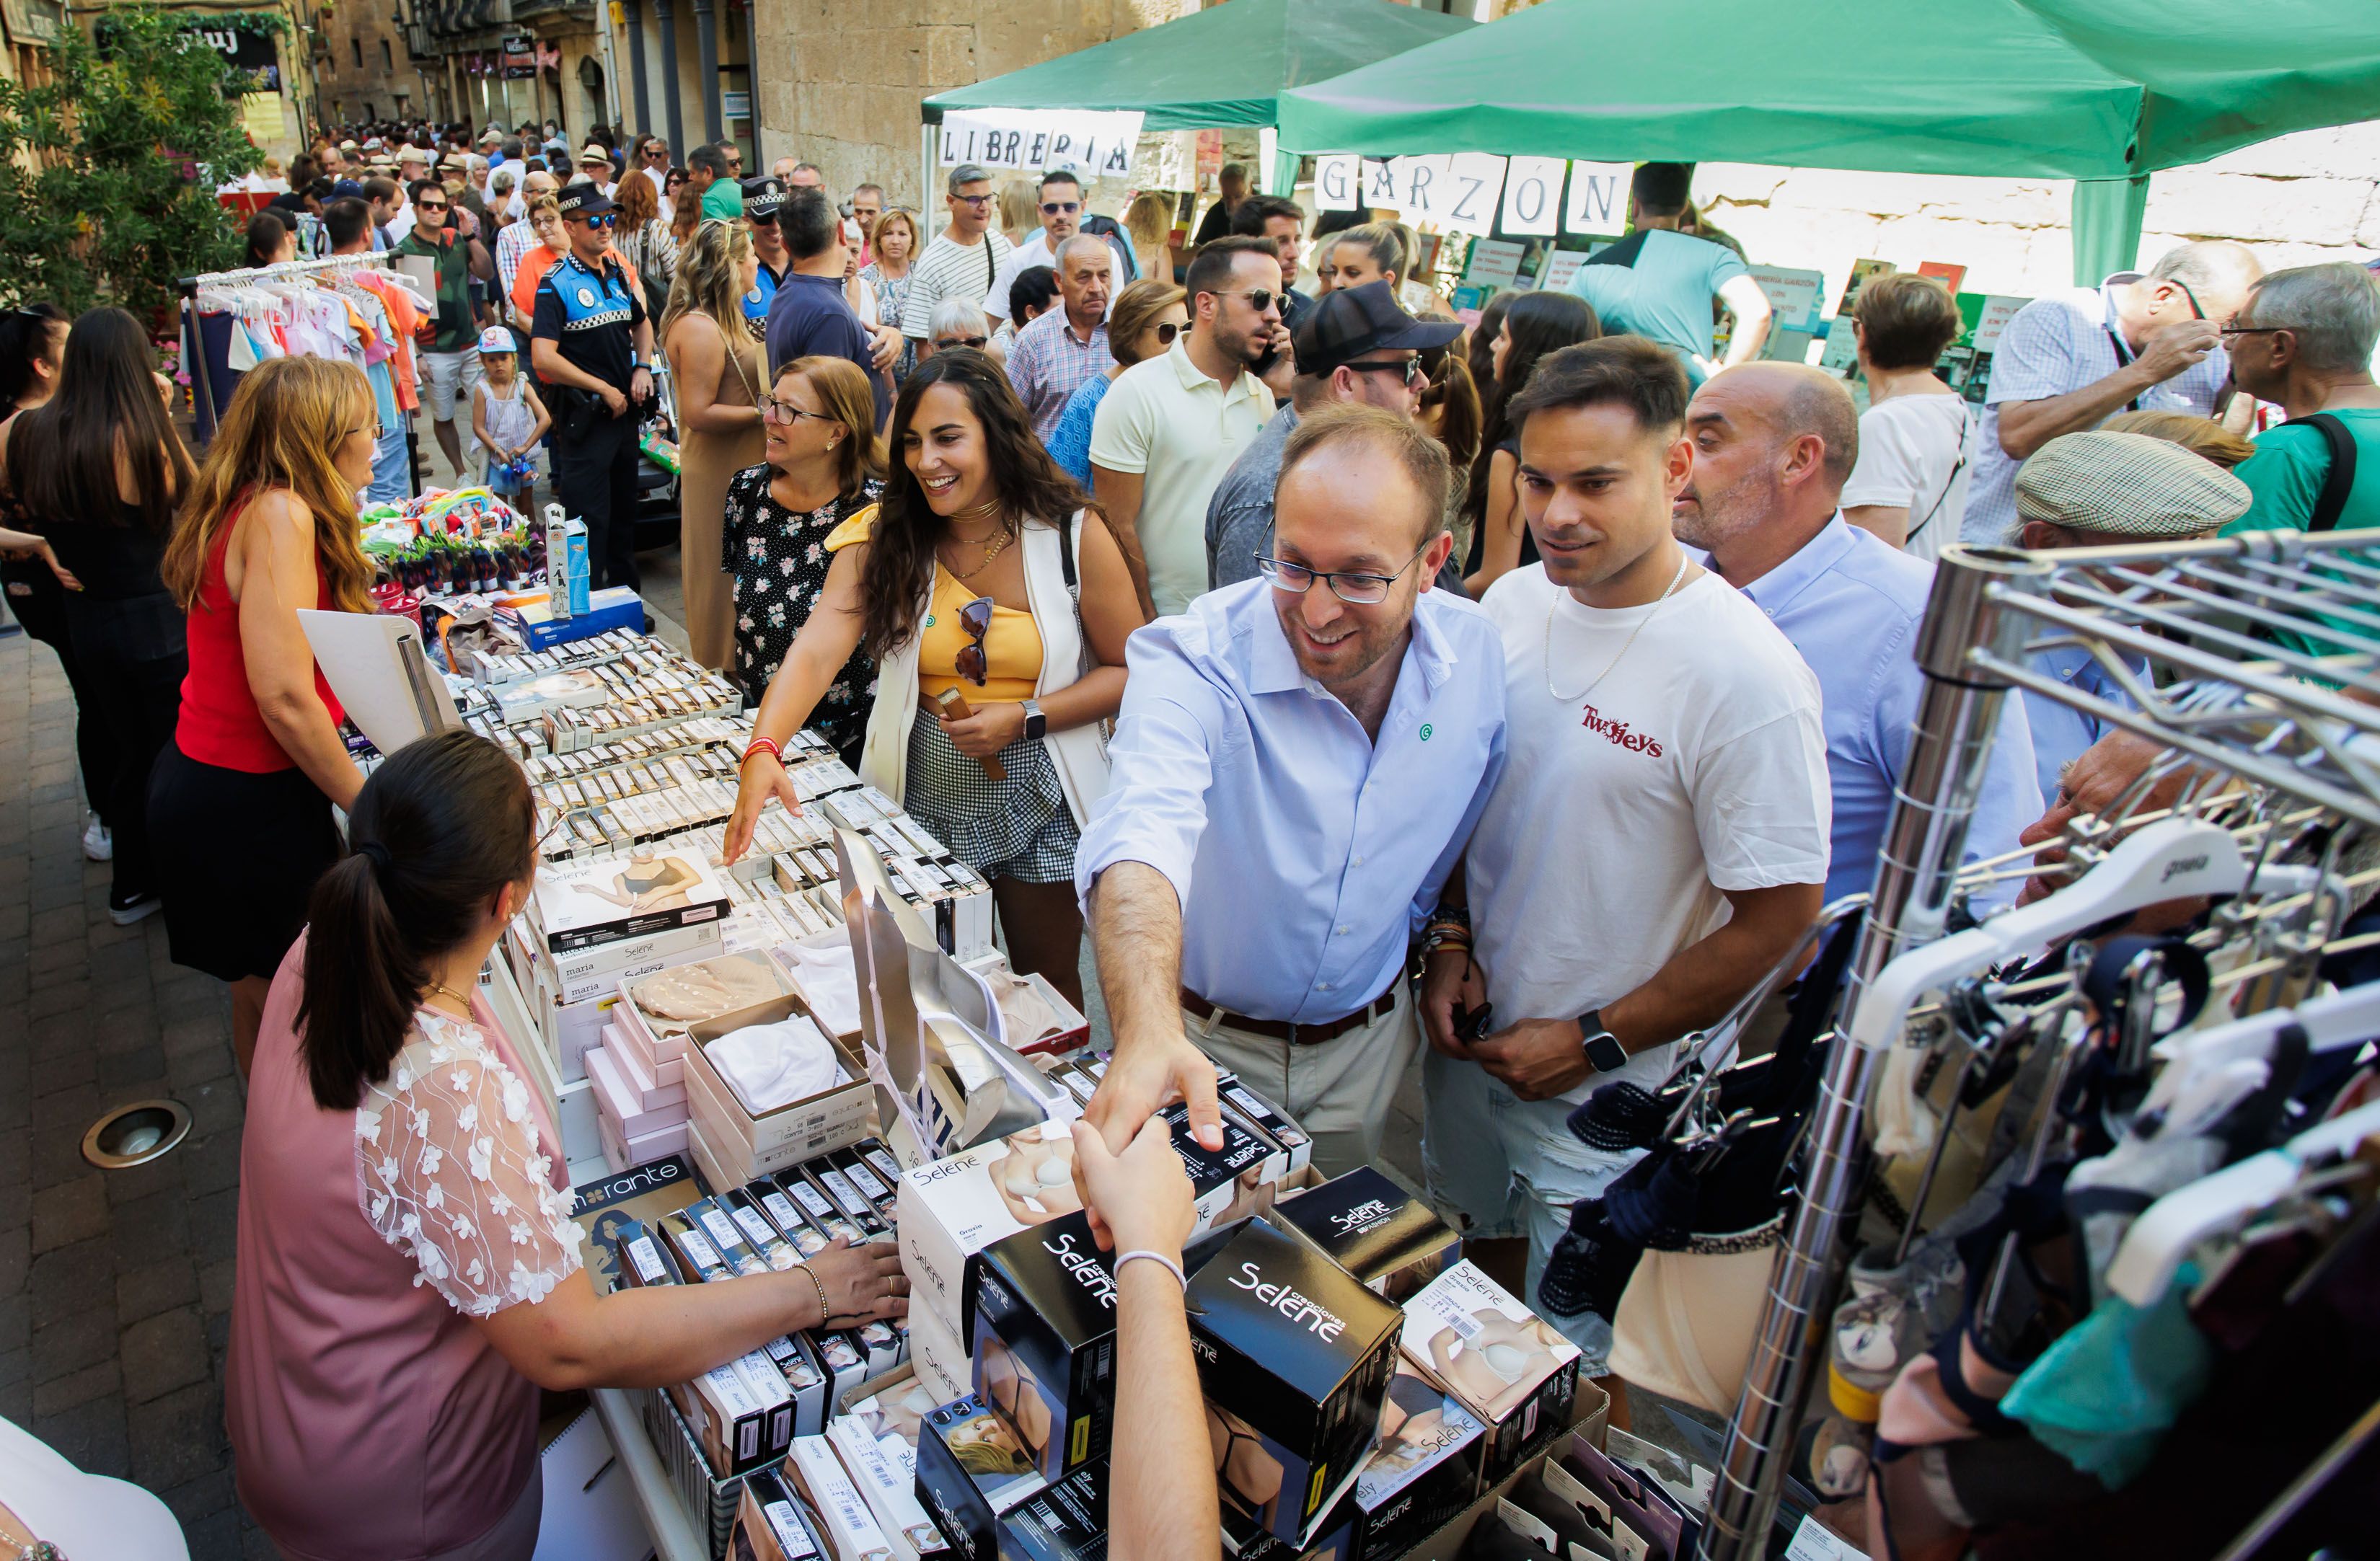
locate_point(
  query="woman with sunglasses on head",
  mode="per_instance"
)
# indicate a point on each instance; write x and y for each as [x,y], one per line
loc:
[966,582]
[1142,322]
[719,382]
[823,464]
[409,1276]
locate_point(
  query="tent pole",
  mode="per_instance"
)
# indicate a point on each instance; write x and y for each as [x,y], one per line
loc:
[925,169]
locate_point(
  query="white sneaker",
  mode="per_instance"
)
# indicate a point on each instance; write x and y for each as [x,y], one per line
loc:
[98,843]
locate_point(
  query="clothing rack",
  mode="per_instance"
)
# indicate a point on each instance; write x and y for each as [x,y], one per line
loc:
[188,286]
[2231,703]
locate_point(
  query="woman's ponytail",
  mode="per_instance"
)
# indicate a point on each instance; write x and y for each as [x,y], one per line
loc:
[438,832]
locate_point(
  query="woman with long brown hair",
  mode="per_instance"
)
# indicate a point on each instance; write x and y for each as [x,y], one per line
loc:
[98,470]
[240,800]
[966,581]
[720,379]
[822,463]
[644,240]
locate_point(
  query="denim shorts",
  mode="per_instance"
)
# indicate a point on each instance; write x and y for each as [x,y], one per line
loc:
[1503,1168]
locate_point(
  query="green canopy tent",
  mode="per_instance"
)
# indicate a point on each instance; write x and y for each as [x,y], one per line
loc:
[2099,90]
[1224,66]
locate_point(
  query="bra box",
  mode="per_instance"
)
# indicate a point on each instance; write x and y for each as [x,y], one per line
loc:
[1506,1365]
[1042,1335]
[1294,1357]
[1064,1521]
[1374,1230]
[590,900]
[952,1209]
[1423,1469]
[875,1434]
[770,1523]
[971,1473]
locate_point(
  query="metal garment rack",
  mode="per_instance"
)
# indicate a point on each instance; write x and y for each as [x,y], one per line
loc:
[203,403]
[2218,691]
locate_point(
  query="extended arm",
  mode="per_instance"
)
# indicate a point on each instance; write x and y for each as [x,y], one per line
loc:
[2026,426]
[821,647]
[1745,300]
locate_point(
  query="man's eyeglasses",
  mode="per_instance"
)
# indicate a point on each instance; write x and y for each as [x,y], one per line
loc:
[2195,312]
[2252,330]
[977,201]
[975,342]
[1259,298]
[971,661]
[776,409]
[430,205]
[1353,586]
[1410,368]
[1060,208]
[600,220]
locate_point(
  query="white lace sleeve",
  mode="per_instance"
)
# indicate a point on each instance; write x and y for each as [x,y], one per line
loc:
[450,1172]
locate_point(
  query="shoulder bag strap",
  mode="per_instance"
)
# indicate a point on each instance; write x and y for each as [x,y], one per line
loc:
[2331,502]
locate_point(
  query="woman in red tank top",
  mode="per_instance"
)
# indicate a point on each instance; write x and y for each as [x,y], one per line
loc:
[239,804]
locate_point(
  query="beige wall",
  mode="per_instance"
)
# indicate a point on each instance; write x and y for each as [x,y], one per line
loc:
[346,86]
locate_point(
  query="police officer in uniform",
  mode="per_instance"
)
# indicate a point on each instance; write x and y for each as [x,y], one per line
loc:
[591,342]
[761,198]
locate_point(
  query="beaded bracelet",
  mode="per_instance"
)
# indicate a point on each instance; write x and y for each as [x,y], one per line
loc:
[825,1309]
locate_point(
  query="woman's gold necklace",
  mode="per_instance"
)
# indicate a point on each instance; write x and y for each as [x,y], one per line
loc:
[993,547]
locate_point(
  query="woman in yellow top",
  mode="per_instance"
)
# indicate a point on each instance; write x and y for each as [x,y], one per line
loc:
[966,580]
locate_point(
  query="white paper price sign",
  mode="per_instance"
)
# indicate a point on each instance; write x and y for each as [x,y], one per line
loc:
[1097,143]
[1338,182]
[1599,198]
[1793,294]
[1533,188]
[1457,192]
[1999,310]
[1495,261]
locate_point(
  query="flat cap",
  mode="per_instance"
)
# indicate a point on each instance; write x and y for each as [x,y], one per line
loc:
[2129,484]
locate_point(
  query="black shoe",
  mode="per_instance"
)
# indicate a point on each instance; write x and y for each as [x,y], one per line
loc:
[125,910]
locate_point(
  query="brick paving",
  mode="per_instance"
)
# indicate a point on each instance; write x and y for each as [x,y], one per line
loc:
[114,1286]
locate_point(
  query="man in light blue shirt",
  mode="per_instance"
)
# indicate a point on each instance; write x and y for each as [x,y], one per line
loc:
[1773,445]
[1659,282]
[1297,764]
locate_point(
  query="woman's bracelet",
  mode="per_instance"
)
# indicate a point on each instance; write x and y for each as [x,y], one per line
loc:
[825,1309]
[1171,1265]
[757,745]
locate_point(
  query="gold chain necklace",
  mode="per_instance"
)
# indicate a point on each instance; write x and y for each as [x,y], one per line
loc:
[998,543]
[1553,607]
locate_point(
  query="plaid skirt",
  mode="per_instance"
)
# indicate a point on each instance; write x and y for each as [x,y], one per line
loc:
[1018,827]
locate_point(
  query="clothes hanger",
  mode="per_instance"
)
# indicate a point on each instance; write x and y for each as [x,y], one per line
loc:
[2343,1019]
[2177,1223]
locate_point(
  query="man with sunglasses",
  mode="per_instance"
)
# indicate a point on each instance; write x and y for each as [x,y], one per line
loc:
[590,344]
[1297,762]
[449,339]
[1061,205]
[963,259]
[762,199]
[2143,342]
[1171,426]
[1355,345]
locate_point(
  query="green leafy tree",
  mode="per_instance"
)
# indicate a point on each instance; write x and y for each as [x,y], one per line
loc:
[108,173]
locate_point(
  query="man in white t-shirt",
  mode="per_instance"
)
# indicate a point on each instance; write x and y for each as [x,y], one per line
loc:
[963,260]
[1658,837]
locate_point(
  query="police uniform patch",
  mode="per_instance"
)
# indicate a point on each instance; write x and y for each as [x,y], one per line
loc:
[586,297]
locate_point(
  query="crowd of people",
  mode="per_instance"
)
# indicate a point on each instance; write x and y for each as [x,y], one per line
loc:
[1273,637]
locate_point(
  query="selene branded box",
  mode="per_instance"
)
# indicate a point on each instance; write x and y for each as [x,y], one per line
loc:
[604,899]
[1231,1183]
[1293,1356]
[1509,1366]
[971,1472]
[877,1439]
[1373,1228]
[1423,1468]
[952,1209]
[769,1524]
[1065,1521]
[1043,1338]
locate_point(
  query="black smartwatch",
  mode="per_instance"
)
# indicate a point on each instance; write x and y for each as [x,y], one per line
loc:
[1036,723]
[1604,1052]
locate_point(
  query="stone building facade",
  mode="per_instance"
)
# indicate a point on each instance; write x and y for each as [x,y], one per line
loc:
[364,66]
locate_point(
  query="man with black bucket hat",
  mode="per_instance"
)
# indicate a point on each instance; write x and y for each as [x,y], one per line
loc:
[1354,345]
[591,342]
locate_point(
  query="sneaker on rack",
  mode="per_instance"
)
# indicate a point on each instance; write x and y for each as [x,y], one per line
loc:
[98,841]
[125,912]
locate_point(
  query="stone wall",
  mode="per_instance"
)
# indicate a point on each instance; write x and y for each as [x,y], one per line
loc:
[2313,196]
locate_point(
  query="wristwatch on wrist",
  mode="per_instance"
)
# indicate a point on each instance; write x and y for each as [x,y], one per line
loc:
[1036,723]
[1604,1052]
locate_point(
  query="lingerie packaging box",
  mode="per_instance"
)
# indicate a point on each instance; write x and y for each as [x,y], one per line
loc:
[591,972]
[952,1209]
[1423,1469]
[770,1522]
[584,902]
[1066,1520]
[971,1473]
[1042,1305]
[1295,1358]
[875,1432]
[1373,1228]
[1231,1183]
[849,1528]
[1506,1365]
[841,1114]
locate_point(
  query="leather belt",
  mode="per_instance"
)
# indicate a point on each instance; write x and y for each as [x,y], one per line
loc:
[1295,1034]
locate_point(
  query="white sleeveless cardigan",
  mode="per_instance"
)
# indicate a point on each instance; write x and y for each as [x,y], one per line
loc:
[1079,753]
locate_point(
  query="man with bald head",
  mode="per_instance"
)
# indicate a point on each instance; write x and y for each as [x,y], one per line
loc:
[1773,443]
[1061,349]
[2143,342]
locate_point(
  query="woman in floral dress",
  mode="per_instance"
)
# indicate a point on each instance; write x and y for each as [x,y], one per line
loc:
[823,464]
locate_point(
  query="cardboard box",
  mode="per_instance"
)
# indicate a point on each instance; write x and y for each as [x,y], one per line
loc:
[952,1209]
[1041,1330]
[584,902]
[743,1206]
[1373,1228]
[971,1473]
[1295,1358]
[875,1436]
[591,972]
[1231,1183]
[1423,1468]
[639,1078]
[938,1357]
[1588,1412]
[1267,1117]
[1522,1392]
[841,1114]
[846,1524]
[622,1153]
[1064,1521]
[629,1117]
[769,1524]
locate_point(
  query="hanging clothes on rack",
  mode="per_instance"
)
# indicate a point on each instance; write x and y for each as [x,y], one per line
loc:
[352,307]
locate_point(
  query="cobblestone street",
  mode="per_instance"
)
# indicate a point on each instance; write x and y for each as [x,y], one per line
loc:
[115,1287]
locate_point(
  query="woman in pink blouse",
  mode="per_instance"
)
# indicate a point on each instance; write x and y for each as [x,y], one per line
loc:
[409,1272]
